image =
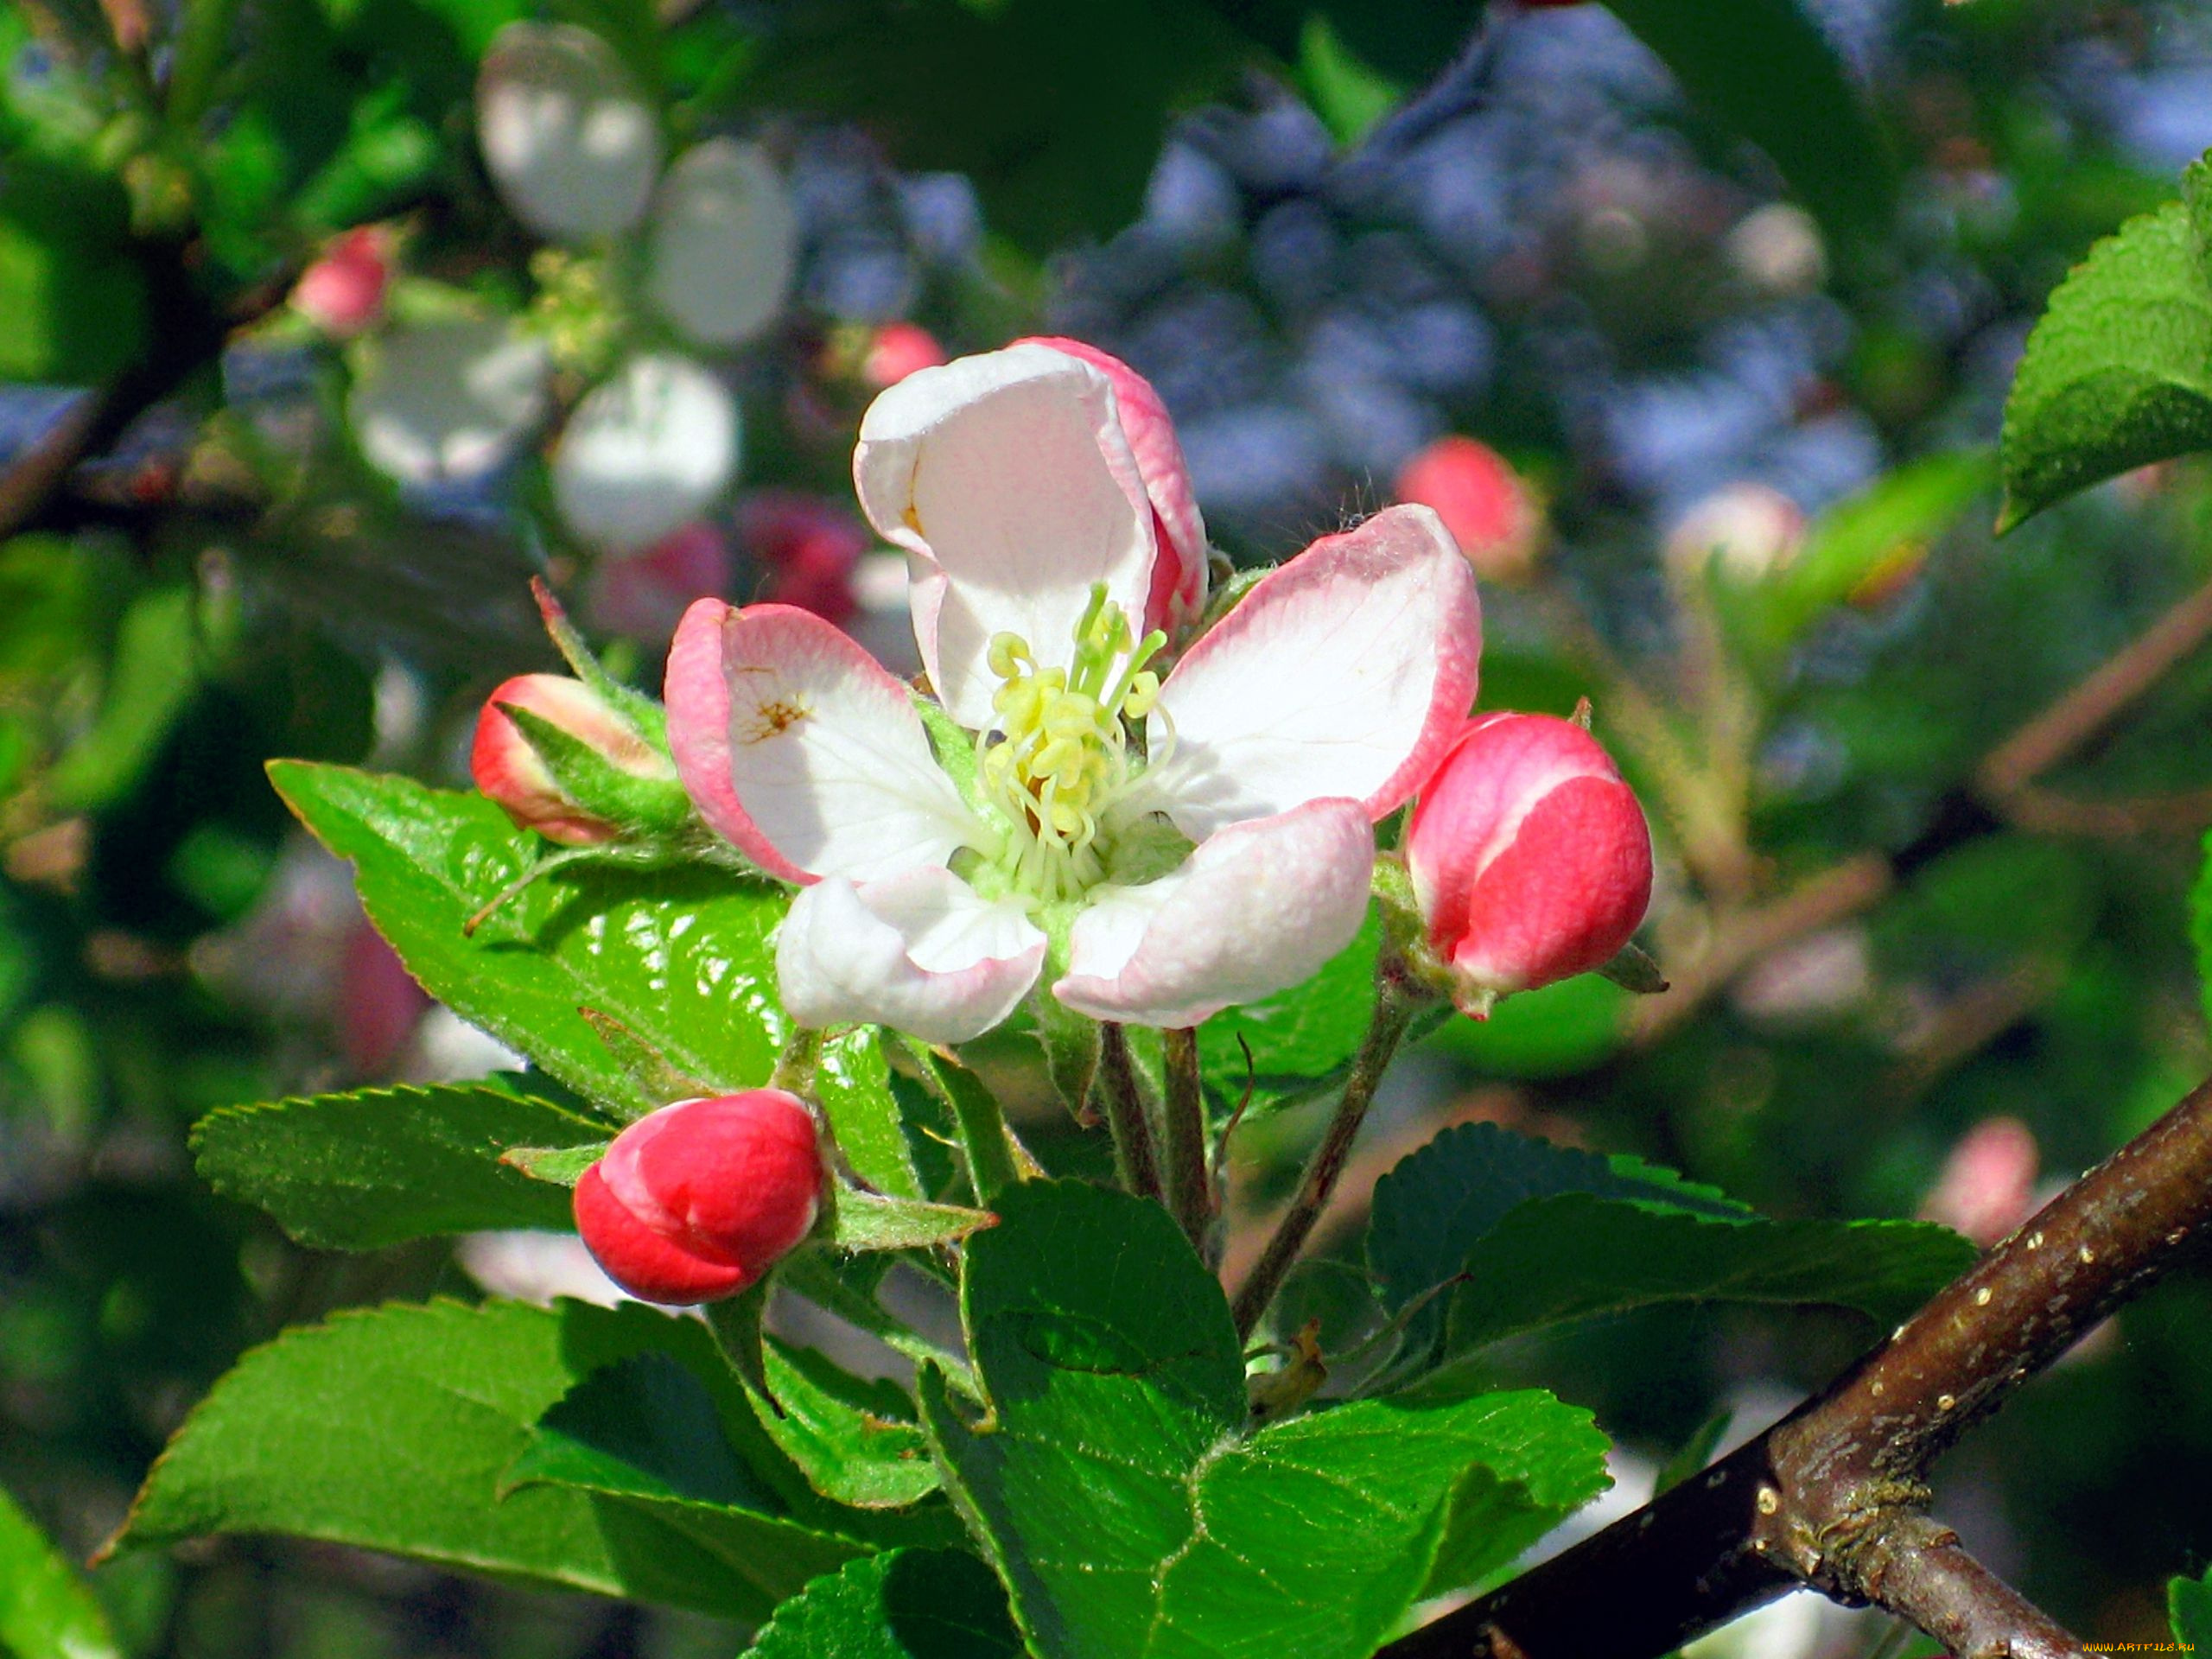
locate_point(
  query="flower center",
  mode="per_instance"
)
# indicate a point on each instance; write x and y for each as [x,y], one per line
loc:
[1061,755]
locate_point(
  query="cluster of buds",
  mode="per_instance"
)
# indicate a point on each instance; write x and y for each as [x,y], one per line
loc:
[1530,858]
[696,1201]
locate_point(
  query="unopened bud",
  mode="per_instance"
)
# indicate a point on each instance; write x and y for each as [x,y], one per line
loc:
[343,292]
[897,350]
[695,1202]
[564,762]
[1482,501]
[1530,858]
[1744,531]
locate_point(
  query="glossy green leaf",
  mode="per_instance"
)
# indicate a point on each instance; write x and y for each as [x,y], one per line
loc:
[856,1441]
[47,1611]
[1126,1507]
[904,1604]
[1762,69]
[1544,1234]
[870,1221]
[395,1428]
[649,1433]
[2119,372]
[853,1082]
[361,1171]
[679,957]
[2188,1604]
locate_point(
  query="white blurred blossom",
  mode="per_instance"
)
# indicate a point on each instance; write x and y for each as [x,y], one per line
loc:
[570,142]
[647,450]
[450,400]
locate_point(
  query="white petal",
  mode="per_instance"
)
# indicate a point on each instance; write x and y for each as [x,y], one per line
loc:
[1257,908]
[795,744]
[725,242]
[1345,673]
[647,452]
[568,139]
[918,951]
[1009,475]
[446,402]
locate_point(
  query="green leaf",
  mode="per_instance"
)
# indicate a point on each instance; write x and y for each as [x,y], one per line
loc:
[361,1171]
[975,1112]
[869,1221]
[394,1428]
[856,1441]
[1349,94]
[150,679]
[852,1080]
[73,308]
[658,1083]
[1692,1454]
[555,1165]
[1544,1234]
[649,1433]
[2188,1604]
[47,1611]
[2119,372]
[1128,1511]
[1301,1039]
[1762,69]
[680,956]
[904,1604]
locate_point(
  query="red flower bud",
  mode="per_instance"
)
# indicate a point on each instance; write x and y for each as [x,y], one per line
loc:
[645,594]
[509,769]
[1481,500]
[342,293]
[1529,856]
[697,1201]
[897,350]
[808,547]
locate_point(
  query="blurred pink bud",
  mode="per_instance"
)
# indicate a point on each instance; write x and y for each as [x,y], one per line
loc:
[1746,530]
[808,547]
[342,293]
[1482,501]
[1989,1184]
[1178,571]
[897,350]
[510,770]
[697,1200]
[1530,858]
[378,1002]
[646,594]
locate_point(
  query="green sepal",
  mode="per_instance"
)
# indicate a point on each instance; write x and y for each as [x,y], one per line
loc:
[559,1165]
[736,1323]
[954,749]
[655,805]
[869,1221]
[1070,1040]
[1635,969]
[661,1083]
[1227,596]
[991,1165]
[640,710]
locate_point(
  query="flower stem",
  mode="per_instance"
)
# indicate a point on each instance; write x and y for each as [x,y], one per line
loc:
[1189,1190]
[1395,1006]
[1125,1114]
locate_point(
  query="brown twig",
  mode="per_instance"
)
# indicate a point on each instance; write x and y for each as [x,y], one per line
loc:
[1834,1497]
[1395,1006]
[1127,1116]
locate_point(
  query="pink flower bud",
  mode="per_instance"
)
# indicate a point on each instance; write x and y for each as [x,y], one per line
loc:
[1481,500]
[1745,529]
[1989,1184]
[1178,574]
[897,350]
[380,1004]
[808,547]
[1530,858]
[342,293]
[697,1201]
[509,769]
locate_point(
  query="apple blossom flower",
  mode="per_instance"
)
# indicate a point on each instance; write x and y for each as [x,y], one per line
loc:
[647,450]
[1178,576]
[1530,859]
[695,1202]
[613,774]
[1987,1186]
[1482,501]
[342,293]
[1743,529]
[448,401]
[1152,849]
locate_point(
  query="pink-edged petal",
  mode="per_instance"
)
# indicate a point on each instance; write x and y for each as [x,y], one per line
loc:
[1009,476]
[1258,907]
[795,744]
[1179,577]
[1345,673]
[918,951]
